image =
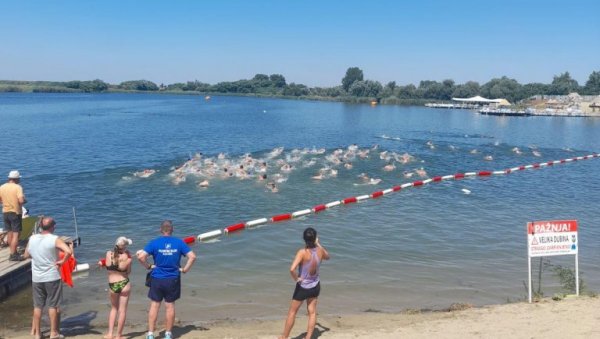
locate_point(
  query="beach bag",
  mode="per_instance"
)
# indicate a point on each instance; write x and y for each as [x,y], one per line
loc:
[148,279]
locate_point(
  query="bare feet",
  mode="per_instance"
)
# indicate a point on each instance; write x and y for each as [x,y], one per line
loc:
[108,336]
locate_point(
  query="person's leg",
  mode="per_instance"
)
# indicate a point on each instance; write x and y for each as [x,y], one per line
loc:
[123,301]
[311,307]
[170,315]
[291,317]
[35,323]
[112,315]
[54,325]
[152,315]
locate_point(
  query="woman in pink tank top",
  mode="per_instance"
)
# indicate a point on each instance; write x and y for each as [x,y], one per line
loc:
[305,272]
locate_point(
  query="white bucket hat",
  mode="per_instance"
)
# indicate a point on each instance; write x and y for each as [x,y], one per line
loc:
[122,241]
[14,175]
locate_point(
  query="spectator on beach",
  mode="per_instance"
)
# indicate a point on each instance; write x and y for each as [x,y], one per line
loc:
[165,283]
[12,199]
[118,266]
[45,275]
[308,285]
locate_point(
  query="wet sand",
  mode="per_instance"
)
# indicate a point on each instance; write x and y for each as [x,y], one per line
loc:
[572,318]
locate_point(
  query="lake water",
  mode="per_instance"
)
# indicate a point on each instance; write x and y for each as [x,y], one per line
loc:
[419,248]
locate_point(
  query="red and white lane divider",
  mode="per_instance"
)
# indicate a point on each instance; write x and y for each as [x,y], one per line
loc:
[377,194]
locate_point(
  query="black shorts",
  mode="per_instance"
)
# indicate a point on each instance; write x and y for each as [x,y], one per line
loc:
[168,289]
[12,222]
[302,294]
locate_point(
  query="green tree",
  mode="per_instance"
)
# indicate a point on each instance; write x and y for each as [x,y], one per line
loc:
[592,86]
[295,90]
[563,84]
[367,88]
[504,88]
[353,74]
[466,90]
[278,80]
[138,85]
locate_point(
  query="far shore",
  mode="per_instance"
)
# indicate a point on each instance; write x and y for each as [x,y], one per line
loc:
[574,317]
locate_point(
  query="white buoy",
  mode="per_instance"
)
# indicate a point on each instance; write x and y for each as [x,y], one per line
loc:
[82,268]
[209,235]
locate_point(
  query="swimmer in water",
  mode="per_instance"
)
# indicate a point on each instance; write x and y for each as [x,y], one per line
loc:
[536,153]
[348,165]
[204,184]
[389,167]
[408,175]
[516,150]
[374,181]
[272,187]
[421,172]
[474,151]
[488,158]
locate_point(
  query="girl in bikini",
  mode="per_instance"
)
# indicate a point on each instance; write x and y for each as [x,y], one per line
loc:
[305,272]
[118,266]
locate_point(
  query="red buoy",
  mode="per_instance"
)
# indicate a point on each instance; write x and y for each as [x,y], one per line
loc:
[189,240]
[235,227]
[396,188]
[521,168]
[550,163]
[459,175]
[536,165]
[417,183]
[319,208]
[484,173]
[376,194]
[281,217]
[436,179]
[103,262]
[349,200]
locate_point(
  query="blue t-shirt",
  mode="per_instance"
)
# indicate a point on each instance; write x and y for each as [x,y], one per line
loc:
[167,252]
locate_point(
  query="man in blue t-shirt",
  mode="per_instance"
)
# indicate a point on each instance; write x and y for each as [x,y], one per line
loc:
[166,270]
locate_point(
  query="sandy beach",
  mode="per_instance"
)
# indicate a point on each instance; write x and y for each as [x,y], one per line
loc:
[572,317]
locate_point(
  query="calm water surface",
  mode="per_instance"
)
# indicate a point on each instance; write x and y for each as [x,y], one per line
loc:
[420,248]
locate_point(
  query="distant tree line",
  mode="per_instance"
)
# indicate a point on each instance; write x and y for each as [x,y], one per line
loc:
[353,88]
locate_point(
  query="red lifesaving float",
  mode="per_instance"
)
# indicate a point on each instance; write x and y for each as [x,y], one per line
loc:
[521,168]
[319,208]
[436,179]
[550,163]
[102,262]
[484,173]
[189,240]
[349,200]
[376,194]
[536,165]
[507,171]
[236,227]
[396,188]
[562,161]
[281,217]
[417,183]
[459,176]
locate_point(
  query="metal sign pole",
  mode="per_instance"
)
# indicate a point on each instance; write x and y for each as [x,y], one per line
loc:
[577,274]
[529,269]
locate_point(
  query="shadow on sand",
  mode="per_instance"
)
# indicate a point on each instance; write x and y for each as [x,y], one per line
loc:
[79,324]
[319,330]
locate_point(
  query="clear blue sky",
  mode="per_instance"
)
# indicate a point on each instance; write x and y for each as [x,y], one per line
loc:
[309,42]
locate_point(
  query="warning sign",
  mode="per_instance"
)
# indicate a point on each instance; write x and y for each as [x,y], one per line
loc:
[555,237]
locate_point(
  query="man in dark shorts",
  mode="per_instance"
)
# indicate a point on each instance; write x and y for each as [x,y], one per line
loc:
[12,199]
[165,283]
[45,275]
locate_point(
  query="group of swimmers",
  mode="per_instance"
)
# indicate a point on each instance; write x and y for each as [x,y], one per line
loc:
[274,167]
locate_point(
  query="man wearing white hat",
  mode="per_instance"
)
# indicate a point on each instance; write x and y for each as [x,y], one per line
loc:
[12,199]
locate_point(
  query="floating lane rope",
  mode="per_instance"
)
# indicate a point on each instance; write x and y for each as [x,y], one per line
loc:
[377,194]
